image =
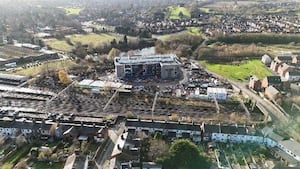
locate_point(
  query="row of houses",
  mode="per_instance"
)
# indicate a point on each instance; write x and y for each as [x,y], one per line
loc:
[177,130]
[216,133]
[285,66]
[270,85]
[46,130]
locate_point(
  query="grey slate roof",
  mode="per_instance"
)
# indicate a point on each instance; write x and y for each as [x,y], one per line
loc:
[162,125]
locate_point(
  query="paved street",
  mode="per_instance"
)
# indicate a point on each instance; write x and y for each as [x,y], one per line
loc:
[266,106]
[104,161]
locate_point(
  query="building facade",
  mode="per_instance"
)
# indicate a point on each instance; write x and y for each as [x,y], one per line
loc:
[165,67]
[170,129]
[218,93]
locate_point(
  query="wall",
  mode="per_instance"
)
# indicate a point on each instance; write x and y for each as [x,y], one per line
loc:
[170,72]
[120,71]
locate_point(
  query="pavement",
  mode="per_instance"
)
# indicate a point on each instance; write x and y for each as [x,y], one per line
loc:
[104,159]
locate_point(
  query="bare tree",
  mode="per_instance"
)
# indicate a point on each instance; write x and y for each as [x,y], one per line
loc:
[20,141]
[42,156]
[53,129]
[158,148]
[2,140]
[21,165]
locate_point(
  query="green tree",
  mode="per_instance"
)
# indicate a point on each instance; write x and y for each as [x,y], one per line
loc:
[184,154]
[180,14]
[125,40]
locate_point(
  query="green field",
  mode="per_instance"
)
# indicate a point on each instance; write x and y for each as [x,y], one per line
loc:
[59,45]
[194,31]
[191,30]
[175,11]
[33,71]
[239,72]
[95,39]
[72,11]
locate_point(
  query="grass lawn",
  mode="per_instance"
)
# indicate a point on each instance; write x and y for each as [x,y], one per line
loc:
[32,71]
[194,31]
[191,30]
[95,39]
[59,45]
[45,165]
[175,11]
[93,146]
[239,72]
[16,157]
[72,11]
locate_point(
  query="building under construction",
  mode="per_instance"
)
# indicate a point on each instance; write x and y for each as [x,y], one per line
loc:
[166,67]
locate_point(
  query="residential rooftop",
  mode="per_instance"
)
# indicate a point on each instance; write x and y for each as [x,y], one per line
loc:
[162,125]
[291,145]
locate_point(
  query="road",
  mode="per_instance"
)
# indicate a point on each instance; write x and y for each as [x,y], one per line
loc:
[267,107]
[103,161]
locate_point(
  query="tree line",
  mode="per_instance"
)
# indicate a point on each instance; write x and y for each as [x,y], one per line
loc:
[257,38]
[124,45]
[183,45]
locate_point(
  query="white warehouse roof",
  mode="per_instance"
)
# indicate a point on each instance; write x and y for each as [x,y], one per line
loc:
[85,82]
[167,58]
[216,90]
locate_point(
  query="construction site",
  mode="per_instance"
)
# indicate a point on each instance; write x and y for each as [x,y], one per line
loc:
[166,67]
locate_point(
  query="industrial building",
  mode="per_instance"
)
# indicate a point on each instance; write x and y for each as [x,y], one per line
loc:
[218,93]
[99,85]
[166,67]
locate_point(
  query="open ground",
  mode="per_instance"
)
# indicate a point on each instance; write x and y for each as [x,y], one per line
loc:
[95,39]
[240,71]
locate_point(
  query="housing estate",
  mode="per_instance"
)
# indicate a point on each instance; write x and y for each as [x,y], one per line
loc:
[45,130]
[287,67]
[170,129]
